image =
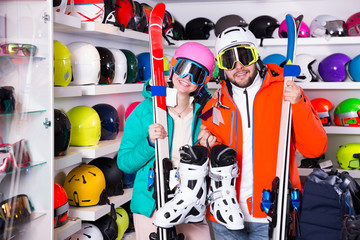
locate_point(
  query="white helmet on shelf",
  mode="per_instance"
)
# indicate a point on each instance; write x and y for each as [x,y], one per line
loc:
[318,25]
[307,74]
[86,10]
[120,66]
[85,63]
[87,231]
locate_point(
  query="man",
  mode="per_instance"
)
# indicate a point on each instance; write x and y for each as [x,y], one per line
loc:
[246,116]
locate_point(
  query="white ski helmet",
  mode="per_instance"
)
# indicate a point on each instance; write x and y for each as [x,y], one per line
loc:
[86,10]
[85,63]
[87,231]
[120,66]
[234,36]
[318,25]
[305,61]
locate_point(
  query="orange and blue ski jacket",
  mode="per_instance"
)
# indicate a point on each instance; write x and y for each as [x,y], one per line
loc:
[308,135]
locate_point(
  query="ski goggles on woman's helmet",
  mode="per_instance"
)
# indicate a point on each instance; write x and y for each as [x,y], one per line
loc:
[14,49]
[15,211]
[246,55]
[197,72]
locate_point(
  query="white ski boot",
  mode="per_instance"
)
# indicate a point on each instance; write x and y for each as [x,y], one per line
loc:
[189,202]
[224,205]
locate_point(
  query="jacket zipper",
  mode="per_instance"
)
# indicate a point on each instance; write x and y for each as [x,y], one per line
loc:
[247,107]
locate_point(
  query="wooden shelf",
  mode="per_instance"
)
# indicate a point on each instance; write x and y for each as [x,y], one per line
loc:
[102,148]
[72,226]
[71,158]
[95,212]
[307,171]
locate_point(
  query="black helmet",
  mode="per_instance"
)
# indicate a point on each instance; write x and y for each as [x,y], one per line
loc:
[62,129]
[263,26]
[108,227]
[199,28]
[139,22]
[114,177]
[107,65]
[178,32]
[109,119]
[227,21]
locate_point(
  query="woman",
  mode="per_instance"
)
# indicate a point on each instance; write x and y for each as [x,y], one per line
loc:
[191,68]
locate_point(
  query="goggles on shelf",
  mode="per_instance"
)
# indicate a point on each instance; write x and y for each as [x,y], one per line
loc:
[15,211]
[14,156]
[197,72]
[14,49]
[246,55]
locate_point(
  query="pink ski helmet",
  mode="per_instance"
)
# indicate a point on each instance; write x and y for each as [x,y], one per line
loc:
[197,53]
[353,25]
[303,31]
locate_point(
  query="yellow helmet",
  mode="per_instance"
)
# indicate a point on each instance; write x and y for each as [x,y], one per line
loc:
[122,221]
[85,186]
[85,126]
[62,64]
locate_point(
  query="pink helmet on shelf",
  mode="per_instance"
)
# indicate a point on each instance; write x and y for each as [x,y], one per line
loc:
[195,52]
[353,25]
[303,32]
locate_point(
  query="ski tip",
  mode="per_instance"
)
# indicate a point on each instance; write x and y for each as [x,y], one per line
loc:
[160,7]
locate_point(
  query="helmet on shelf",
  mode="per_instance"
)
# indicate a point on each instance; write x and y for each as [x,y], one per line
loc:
[144,67]
[59,6]
[130,108]
[199,28]
[109,119]
[304,31]
[85,63]
[62,64]
[263,26]
[61,205]
[87,231]
[62,132]
[120,66]
[85,186]
[107,65]
[122,221]
[139,22]
[124,12]
[109,13]
[147,10]
[353,25]
[178,31]
[276,58]
[114,177]
[132,65]
[108,227]
[333,67]
[347,113]
[321,25]
[322,107]
[166,66]
[195,52]
[354,68]
[307,74]
[348,156]
[85,126]
[227,21]
[168,24]
[86,10]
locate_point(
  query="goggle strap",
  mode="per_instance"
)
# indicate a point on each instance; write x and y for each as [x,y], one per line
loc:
[173,62]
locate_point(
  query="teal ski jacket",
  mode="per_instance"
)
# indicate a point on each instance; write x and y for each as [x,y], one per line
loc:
[136,155]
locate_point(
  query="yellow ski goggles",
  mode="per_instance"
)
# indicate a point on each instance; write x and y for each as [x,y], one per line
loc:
[246,55]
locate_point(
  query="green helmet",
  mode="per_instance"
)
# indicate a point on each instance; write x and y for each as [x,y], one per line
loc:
[62,64]
[132,66]
[348,156]
[85,126]
[122,221]
[347,113]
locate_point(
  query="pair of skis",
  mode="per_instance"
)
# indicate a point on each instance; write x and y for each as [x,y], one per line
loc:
[282,203]
[158,91]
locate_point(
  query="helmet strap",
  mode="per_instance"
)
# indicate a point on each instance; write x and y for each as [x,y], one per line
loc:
[261,67]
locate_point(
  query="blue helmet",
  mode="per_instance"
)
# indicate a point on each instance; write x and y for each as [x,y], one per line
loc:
[275,58]
[109,119]
[354,68]
[144,67]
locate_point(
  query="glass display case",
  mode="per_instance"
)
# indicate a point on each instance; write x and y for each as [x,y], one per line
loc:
[26,132]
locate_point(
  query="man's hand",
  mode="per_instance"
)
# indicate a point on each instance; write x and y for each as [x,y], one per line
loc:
[206,138]
[292,92]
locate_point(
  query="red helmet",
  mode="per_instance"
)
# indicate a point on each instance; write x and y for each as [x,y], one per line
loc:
[168,24]
[353,25]
[61,206]
[124,12]
[322,106]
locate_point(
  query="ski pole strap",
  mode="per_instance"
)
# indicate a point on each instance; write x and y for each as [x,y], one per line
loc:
[158,91]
